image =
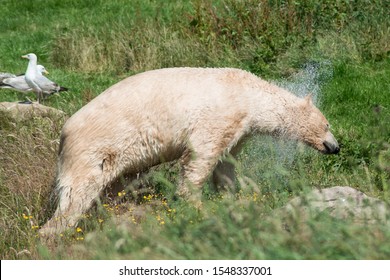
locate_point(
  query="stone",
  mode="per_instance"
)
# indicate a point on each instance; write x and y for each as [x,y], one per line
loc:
[341,202]
[23,111]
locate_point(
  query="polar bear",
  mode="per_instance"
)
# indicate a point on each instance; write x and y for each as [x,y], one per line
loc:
[194,115]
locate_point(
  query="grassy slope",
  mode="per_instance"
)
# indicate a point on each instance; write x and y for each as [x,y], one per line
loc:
[89,47]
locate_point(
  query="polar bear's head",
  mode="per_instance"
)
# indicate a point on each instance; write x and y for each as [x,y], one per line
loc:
[312,128]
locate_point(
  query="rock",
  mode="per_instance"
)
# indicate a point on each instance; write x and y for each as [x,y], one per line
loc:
[21,111]
[339,202]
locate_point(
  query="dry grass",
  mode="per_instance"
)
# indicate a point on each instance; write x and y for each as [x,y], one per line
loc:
[28,158]
[266,37]
[130,50]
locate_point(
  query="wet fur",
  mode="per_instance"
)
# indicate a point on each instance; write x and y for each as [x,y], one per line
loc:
[194,115]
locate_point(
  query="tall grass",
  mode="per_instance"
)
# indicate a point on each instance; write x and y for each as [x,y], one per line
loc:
[260,35]
[27,154]
[338,50]
[233,229]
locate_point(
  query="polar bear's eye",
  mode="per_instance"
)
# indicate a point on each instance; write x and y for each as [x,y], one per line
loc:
[327,127]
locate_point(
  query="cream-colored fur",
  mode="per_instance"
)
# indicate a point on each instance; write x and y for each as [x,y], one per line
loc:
[194,115]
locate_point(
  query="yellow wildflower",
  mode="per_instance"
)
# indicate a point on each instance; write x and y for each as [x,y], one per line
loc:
[254,196]
[79,230]
[122,193]
[148,197]
[27,217]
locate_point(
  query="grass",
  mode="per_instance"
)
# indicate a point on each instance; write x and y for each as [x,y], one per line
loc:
[338,50]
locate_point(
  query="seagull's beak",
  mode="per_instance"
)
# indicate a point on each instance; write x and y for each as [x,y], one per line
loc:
[25,56]
[46,72]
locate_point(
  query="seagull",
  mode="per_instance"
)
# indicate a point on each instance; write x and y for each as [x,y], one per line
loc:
[19,83]
[41,85]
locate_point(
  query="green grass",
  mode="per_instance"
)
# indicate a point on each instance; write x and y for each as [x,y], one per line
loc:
[90,45]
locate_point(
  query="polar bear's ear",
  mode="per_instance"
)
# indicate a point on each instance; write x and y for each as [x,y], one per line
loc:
[309,99]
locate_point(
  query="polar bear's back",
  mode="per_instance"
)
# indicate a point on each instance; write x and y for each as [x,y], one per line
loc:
[176,85]
[168,104]
[169,93]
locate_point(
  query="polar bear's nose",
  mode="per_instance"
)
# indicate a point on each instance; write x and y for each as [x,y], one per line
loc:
[331,147]
[330,144]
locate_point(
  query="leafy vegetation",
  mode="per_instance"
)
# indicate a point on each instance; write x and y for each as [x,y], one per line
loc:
[338,50]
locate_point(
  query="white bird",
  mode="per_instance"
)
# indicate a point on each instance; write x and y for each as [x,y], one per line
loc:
[19,83]
[41,85]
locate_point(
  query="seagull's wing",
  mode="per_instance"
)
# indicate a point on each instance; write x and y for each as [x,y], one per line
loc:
[16,83]
[6,76]
[46,85]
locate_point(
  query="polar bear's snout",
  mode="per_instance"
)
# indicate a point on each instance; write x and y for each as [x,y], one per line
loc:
[331,145]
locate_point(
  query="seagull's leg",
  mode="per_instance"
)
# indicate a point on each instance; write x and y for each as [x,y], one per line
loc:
[39,96]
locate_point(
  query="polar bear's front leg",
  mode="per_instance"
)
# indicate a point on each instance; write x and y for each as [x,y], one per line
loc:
[196,167]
